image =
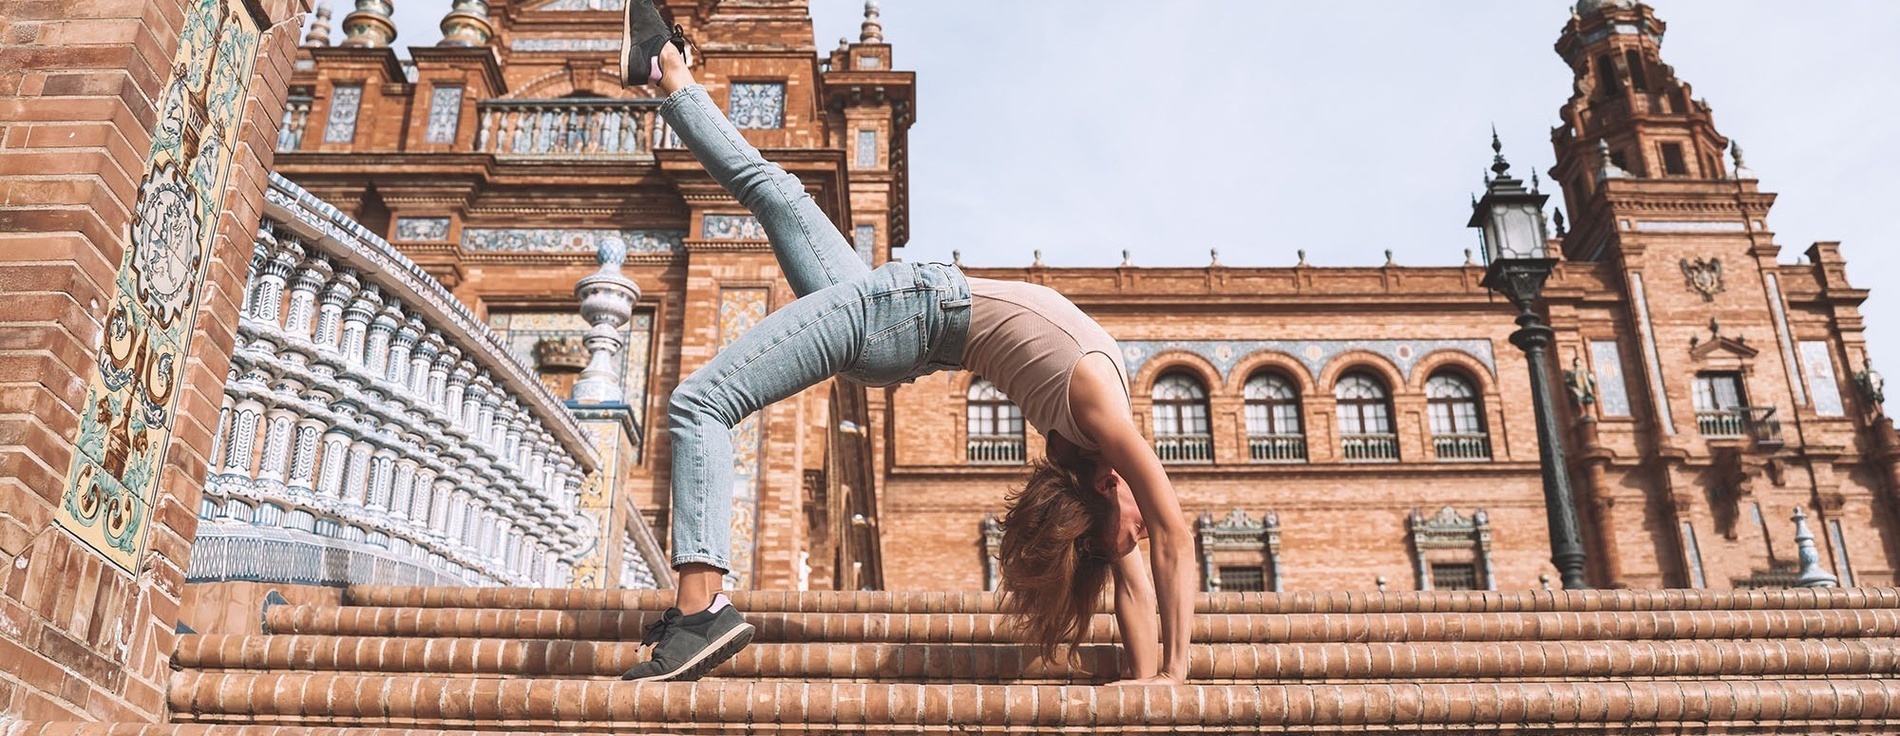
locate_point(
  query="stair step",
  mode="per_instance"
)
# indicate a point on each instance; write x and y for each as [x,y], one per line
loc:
[1302,602]
[1007,663]
[790,707]
[1208,628]
[62,728]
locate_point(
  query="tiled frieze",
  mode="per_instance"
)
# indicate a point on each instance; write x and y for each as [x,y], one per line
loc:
[422,229]
[1823,382]
[548,240]
[732,227]
[128,419]
[1613,398]
[1314,354]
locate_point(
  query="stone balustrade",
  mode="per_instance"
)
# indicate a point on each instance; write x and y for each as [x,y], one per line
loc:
[374,431]
[296,120]
[571,128]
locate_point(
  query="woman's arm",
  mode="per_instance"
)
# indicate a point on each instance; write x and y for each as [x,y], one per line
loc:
[1100,407]
[1136,617]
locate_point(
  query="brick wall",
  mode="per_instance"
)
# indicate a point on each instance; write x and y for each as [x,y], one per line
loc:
[81,96]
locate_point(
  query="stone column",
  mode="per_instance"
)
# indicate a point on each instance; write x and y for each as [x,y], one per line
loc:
[402,348]
[356,317]
[301,315]
[376,354]
[267,293]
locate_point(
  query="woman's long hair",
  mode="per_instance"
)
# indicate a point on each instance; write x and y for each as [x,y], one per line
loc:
[1052,560]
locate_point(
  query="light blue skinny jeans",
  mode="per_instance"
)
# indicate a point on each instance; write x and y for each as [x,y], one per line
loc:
[875,328]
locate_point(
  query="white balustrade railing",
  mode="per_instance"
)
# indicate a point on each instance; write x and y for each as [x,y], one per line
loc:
[374,431]
[296,120]
[571,128]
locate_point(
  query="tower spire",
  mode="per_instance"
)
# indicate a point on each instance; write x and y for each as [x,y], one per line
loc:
[467,24]
[319,34]
[873,29]
[369,26]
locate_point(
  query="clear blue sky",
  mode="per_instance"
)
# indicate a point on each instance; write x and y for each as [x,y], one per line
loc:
[1344,128]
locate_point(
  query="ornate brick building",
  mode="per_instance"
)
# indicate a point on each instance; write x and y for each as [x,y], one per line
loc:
[1333,427]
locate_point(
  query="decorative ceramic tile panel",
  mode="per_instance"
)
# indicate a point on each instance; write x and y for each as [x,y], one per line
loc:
[732,227]
[520,331]
[445,113]
[758,105]
[344,101]
[864,240]
[127,422]
[741,309]
[1314,354]
[1613,398]
[530,240]
[422,229]
[564,44]
[867,149]
[1817,365]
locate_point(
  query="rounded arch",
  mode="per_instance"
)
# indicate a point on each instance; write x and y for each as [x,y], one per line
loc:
[1271,360]
[1361,360]
[565,81]
[1465,364]
[1173,361]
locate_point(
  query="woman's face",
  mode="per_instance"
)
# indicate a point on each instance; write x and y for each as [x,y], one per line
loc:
[1128,528]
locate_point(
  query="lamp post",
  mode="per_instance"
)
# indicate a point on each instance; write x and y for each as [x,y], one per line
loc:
[1518,260]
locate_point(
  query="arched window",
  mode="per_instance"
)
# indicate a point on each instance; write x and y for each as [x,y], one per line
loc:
[994,425]
[1273,419]
[1365,419]
[1182,434]
[1457,423]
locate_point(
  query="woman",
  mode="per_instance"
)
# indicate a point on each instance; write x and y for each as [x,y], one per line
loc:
[1077,518]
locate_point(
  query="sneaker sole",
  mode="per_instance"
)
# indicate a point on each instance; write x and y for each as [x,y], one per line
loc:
[716,652]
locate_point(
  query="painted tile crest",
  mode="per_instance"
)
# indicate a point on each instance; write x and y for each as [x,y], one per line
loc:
[127,421]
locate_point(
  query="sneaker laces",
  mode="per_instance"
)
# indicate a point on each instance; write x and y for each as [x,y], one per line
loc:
[657,629]
[684,42]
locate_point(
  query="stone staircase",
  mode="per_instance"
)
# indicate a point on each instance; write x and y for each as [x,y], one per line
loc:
[429,660]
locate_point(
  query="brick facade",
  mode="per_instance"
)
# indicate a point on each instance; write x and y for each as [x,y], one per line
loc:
[1662,504]
[100,506]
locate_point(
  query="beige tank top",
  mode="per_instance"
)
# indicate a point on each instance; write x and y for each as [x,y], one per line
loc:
[1027,339]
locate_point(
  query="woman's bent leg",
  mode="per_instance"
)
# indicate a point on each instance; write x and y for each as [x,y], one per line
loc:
[792,349]
[810,250]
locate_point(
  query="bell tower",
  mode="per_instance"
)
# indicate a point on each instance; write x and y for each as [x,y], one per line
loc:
[1629,116]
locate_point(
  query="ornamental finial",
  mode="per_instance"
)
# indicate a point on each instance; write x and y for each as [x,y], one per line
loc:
[873,29]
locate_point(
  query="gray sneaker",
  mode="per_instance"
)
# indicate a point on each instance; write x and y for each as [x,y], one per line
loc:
[686,647]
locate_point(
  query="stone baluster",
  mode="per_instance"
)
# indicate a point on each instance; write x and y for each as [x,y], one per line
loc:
[377,353]
[280,438]
[439,378]
[482,137]
[382,478]
[403,489]
[301,315]
[421,498]
[262,245]
[356,471]
[303,457]
[267,293]
[457,527]
[441,505]
[420,363]
[240,452]
[342,290]
[483,432]
[219,446]
[511,443]
[356,319]
[337,438]
[452,397]
[537,465]
[402,348]
[469,417]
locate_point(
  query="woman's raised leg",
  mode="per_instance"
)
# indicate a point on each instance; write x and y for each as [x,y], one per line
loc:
[810,250]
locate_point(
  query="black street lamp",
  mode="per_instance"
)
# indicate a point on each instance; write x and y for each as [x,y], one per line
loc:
[1518,260]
